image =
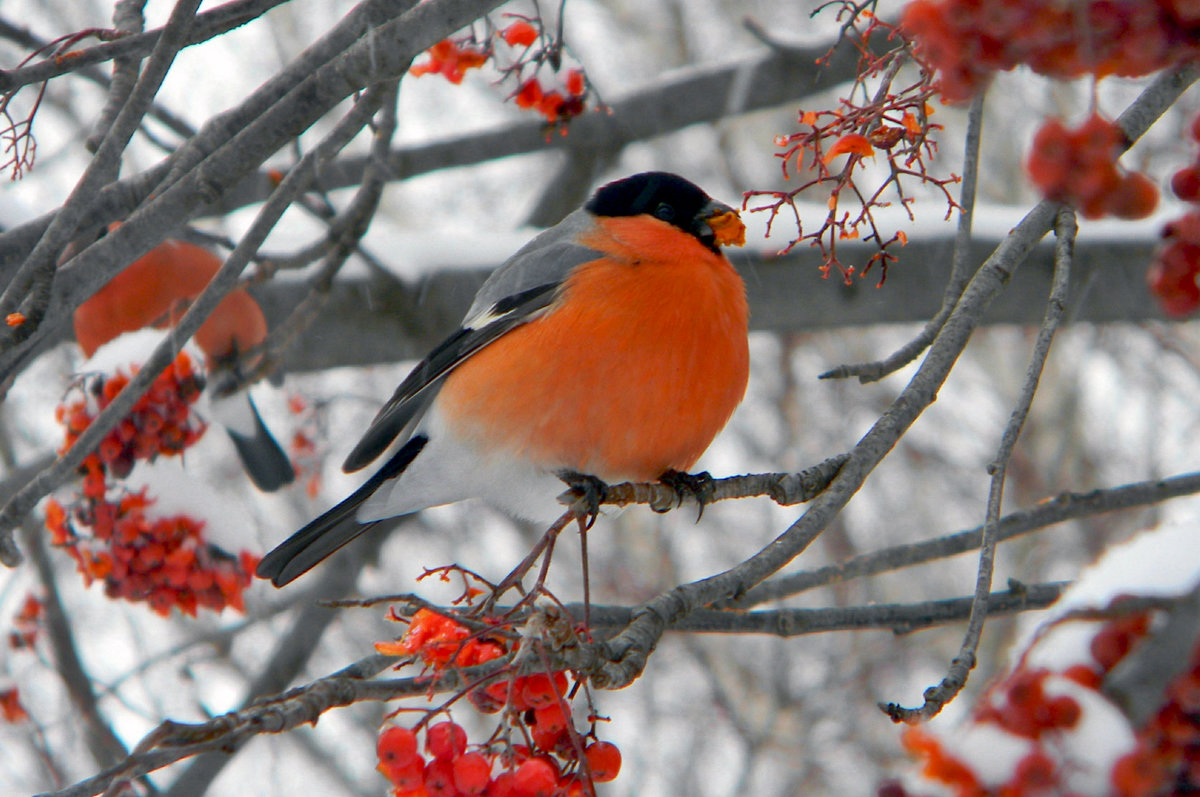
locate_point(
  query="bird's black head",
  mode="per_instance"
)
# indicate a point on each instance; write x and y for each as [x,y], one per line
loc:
[667,197]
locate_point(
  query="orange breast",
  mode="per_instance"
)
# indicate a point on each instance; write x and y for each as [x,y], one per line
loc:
[633,372]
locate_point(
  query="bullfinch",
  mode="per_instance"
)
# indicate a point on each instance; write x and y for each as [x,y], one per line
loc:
[612,346]
[154,291]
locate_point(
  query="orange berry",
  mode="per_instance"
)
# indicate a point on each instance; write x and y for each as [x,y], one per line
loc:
[472,773]
[535,778]
[519,34]
[445,740]
[1185,183]
[604,761]
[397,746]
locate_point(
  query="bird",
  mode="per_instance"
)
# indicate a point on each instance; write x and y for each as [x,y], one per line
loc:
[612,347]
[154,290]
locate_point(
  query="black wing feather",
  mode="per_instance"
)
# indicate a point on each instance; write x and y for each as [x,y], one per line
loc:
[305,549]
[413,395]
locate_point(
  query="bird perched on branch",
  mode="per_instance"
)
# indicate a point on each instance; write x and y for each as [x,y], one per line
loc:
[611,347]
[154,290]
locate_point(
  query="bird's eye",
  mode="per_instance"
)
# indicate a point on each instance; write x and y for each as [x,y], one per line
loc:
[664,211]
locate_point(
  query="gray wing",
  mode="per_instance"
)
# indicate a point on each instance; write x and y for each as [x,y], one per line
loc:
[548,258]
[518,291]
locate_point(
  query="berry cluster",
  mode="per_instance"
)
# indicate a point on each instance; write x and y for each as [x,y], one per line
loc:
[551,757]
[967,41]
[1165,760]
[451,767]
[27,624]
[1176,266]
[1021,706]
[519,57]
[109,532]
[161,422]
[440,642]
[451,59]
[1079,167]
[557,106]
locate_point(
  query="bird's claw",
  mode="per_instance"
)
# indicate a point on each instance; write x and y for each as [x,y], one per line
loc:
[698,486]
[588,493]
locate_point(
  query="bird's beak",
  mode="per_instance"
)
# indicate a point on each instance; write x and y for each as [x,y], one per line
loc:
[725,223]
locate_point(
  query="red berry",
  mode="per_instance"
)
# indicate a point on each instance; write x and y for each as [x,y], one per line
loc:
[548,738]
[1036,773]
[1084,675]
[502,785]
[446,740]
[604,760]
[540,690]
[1134,198]
[407,777]
[439,778]
[397,746]
[551,717]
[472,773]
[1063,712]
[520,34]
[575,786]
[1185,183]
[535,778]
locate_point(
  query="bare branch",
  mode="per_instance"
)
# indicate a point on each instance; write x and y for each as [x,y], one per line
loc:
[1065,228]
[208,25]
[1064,507]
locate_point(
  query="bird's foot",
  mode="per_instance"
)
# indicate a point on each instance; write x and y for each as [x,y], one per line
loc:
[698,486]
[588,493]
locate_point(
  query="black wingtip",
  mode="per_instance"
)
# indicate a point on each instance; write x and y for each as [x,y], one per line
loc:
[363,454]
[309,546]
[262,457]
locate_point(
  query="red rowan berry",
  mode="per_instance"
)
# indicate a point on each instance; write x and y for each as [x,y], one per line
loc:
[535,778]
[1185,183]
[439,778]
[397,746]
[604,761]
[472,773]
[445,740]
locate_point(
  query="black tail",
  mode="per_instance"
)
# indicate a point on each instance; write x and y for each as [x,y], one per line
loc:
[265,463]
[305,549]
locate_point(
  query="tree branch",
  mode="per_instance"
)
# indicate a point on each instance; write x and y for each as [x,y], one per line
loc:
[1063,507]
[962,664]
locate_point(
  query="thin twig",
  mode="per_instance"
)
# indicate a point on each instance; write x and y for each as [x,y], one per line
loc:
[208,25]
[962,664]
[128,19]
